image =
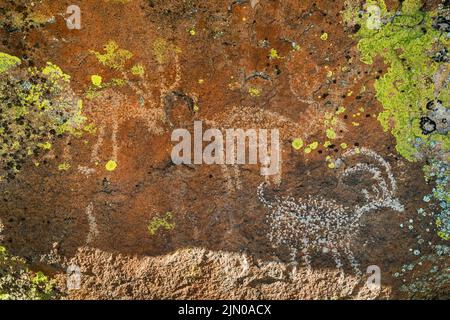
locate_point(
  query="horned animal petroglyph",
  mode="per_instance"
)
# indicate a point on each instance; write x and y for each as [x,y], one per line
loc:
[315,223]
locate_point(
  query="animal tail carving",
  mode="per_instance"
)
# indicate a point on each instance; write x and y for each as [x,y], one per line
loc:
[262,196]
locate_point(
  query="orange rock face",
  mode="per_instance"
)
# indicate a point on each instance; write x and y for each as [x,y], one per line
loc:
[246,64]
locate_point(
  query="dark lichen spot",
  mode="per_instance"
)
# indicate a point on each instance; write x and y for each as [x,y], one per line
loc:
[427,125]
[442,24]
[441,56]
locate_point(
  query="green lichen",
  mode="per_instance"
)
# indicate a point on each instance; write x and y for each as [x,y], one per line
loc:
[64,166]
[273,54]
[111,165]
[138,70]
[18,282]
[159,50]
[407,41]
[411,7]
[158,223]
[96,80]
[36,107]
[7,62]
[298,143]
[331,134]
[331,122]
[22,16]
[406,44]
[93,91]
[117,60]
[406,87]
[254,92]
[351,11]
[113,57]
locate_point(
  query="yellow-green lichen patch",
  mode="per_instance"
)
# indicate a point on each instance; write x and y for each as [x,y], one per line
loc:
[111,165]
[273,54]
[159,50]
[64,166]
[96,80]
[18,282]
[406,44]
[340,110]
[7,62]
[330,162]
[93,91]
[37,106]
[352,10]
[297,144]
[333,123]
[331,134]
[192,31]
[314,145]
[127,73]
[46,145]
[411,7]
[160,223]
[409,42]
[23,16]
[254,92]
[138,70]
[311,147]
[113,57]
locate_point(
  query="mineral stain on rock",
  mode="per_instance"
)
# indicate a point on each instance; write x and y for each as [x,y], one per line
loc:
[357,89]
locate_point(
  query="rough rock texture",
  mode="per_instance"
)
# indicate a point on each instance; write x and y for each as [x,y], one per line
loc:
[286,64]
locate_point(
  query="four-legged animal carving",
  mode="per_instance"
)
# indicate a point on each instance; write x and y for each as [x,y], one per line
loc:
[313,224]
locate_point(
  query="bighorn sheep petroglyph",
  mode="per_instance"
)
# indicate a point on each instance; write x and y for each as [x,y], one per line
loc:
[315,223]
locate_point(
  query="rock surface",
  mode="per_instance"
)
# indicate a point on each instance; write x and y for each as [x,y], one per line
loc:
[290,65]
